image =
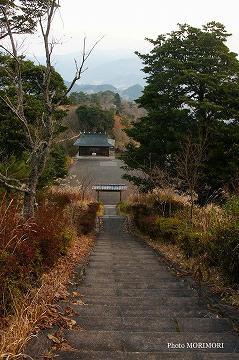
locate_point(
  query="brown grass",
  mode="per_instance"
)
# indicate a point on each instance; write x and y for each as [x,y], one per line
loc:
[35,308]
[206,221]
[196,268]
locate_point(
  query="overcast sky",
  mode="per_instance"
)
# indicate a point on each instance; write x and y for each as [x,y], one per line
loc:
[125,23]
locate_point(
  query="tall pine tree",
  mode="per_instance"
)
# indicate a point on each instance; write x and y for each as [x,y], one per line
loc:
[192,89]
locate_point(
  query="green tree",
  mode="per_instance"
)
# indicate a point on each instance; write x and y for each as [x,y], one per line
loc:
[117,103]
[20,17]
[94,119]
[192,90]
[13,141]
[76,98]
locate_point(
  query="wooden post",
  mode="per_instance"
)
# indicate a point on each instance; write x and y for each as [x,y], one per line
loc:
[120,195]
[98,195]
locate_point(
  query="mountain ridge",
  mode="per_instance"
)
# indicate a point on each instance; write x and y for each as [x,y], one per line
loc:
[130,93]
[120,72]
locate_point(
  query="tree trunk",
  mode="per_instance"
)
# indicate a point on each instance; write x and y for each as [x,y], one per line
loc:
[191,207]
[30,197]
[29,205]
[37,166]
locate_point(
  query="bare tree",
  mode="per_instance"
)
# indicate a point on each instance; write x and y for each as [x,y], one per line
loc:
[188,165]
[39,137]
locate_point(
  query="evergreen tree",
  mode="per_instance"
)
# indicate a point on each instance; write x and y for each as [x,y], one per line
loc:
[94,119]
[192,89]
[117,103]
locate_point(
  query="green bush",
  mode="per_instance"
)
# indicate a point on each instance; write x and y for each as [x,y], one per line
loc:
[56,166]
[168,229]
[124,208]
[147,224]
[224,251]
[231,207]
[192,243]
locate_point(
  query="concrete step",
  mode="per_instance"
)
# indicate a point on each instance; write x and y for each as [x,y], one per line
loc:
[122,262]
[142,293]
[150,341]
[164,311]
[136,308]
[156,324]
[139,301]
[132,265]
[128,277]
[133,285]
[120,355]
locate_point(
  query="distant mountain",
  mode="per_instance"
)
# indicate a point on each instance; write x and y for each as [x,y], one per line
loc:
[120,73]
[120,67]
[103,68]
[92,89]
[131,93]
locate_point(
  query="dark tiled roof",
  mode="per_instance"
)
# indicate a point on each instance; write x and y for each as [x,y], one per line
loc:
[98,140]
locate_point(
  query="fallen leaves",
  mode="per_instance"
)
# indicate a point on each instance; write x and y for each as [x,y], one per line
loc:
[69,311]
[59,343]
[54,339]
[78,302]
[38,310]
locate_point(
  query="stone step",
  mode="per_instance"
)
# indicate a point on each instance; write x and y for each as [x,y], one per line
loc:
[129,323]
[135,308]
[130,274]
[102,291]
[124,256]
[139,301]
[128,277]
[136,271]
[134,264]
[150,341]
[156,324]
[120,355]
[169,284]
[128,253]
[122,262]
[164,311]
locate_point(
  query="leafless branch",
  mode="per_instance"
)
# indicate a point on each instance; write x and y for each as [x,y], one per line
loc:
[67,139]
[80,68]
[14,184]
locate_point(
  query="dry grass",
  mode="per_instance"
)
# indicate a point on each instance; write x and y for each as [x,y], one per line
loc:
[160,194]
[74,193]
[207,221]
[205,218]
[198,270]
[36,307]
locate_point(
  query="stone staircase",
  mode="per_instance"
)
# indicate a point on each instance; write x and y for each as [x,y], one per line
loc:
[135,308]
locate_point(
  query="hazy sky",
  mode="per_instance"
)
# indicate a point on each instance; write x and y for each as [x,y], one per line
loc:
[125,23]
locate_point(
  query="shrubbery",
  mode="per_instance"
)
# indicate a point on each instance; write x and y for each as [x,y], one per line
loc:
[224,251]
[29,248]
[213,233]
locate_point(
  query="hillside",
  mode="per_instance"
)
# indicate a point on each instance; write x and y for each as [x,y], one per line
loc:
[131,93]
[92,89]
